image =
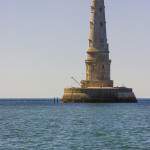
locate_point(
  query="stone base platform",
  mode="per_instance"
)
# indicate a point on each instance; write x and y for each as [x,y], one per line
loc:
[99,95]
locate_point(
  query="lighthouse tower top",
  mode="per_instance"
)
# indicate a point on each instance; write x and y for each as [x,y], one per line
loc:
[97,35]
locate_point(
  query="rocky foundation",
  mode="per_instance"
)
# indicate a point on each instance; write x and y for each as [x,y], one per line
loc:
[99,95]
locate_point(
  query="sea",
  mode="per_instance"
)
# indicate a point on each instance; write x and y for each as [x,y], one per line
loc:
[42,124]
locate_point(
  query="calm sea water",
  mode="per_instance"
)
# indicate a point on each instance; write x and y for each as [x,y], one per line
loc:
[37,125]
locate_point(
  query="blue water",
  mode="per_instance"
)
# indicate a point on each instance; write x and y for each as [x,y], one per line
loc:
[32,125]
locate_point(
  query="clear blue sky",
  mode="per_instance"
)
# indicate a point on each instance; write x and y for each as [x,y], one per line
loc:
[43,43]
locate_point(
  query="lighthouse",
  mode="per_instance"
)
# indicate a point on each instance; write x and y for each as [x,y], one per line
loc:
[97,62]
[98,86]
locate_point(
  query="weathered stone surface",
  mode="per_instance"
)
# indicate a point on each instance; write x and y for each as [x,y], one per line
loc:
[101,83]
[99,95]
[98,87]
[97,62]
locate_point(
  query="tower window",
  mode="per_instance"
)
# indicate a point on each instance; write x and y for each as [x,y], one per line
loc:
[103,67]
[91,24]
[101,9]
[101,24]
[90,43]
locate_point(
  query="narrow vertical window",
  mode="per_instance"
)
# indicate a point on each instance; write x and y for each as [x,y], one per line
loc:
[100,9]
[101,24]
[103,67]
[90,43]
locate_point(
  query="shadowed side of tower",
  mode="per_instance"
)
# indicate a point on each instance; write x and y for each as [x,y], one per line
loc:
[98,86]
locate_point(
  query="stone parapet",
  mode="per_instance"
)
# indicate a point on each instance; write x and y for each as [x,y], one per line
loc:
[99,95]
[103,83]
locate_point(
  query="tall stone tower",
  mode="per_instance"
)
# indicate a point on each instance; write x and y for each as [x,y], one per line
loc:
[98,87]
[97,62]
